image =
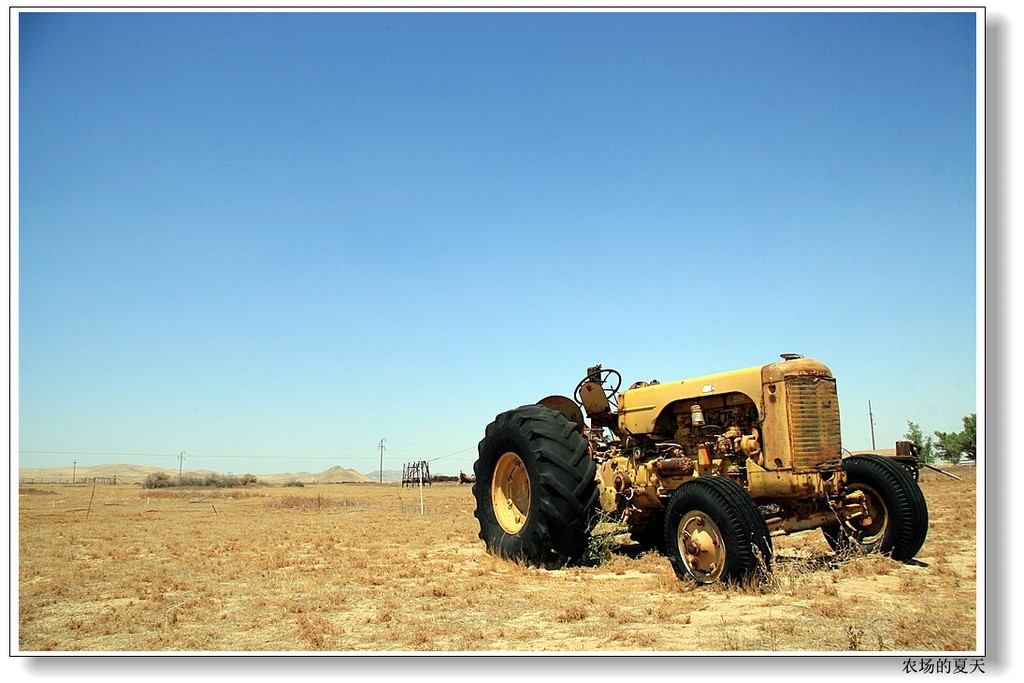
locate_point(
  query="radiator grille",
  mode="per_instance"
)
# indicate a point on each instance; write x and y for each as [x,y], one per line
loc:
[814,420]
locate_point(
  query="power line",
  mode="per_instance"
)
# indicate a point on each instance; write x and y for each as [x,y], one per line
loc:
[134,455]
[440,457]
[179,455]
[195,455]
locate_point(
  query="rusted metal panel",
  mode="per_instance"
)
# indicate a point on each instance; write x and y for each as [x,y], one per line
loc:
[640,408]
[567,407]
[814,421]
[801,415]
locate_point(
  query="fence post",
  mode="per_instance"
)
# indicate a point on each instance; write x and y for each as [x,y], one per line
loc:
[90,502]
[420,468]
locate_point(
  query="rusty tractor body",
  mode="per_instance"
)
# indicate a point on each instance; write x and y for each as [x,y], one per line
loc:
[707,470]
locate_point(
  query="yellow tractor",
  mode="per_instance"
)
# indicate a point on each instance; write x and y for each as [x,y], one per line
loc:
[706,470]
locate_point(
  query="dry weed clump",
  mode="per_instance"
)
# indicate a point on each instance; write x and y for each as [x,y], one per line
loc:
[637,640]
[202,494]
[316,503]
[36,491]
[867,566]
[571,613]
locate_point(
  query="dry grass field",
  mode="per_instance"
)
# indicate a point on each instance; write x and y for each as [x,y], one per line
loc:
[357,568]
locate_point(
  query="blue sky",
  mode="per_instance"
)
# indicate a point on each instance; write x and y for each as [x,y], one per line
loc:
[270,240]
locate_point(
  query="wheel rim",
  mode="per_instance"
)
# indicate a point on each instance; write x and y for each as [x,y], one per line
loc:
[510,492]
[871,534]
[701,546]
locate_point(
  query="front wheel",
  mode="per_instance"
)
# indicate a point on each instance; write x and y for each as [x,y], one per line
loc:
[535,487]
[715,532]
[896,522]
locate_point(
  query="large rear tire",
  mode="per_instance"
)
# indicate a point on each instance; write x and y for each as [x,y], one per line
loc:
[896,506]
[715,532]
[535,487]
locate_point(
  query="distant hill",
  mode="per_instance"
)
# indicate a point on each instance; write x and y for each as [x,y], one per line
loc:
[389,475]
[136,474]
[333,475]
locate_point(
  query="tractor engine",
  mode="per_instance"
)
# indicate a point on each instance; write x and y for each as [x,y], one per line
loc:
[714,437]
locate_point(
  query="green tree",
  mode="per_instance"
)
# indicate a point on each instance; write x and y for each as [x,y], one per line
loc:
[914,435]
[954,445]
[971,436]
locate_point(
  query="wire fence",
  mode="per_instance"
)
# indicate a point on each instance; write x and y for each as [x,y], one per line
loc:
[69,481]
[416,473]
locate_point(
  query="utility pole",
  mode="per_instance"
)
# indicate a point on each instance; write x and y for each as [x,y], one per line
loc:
[181,458]
[871,418]
[381,447]
[74,470]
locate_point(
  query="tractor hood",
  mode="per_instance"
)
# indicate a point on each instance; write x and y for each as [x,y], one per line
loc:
[640,408]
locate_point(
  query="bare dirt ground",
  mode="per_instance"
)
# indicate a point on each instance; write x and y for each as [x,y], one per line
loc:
[358,568]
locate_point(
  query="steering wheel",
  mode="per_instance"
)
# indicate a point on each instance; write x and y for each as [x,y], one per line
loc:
[601,377]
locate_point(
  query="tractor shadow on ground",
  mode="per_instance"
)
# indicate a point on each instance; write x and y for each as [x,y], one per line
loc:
[827,562]
[632,550]
[916,563]
[624,546]
[812,563]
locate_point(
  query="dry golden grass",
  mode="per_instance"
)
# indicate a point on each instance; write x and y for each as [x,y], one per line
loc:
[356,567]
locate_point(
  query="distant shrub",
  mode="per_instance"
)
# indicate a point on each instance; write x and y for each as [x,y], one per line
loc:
[296,483]
[230,481]
[222,481]
[157,480]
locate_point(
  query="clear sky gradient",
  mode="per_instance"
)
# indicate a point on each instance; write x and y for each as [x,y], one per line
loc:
[271,240]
